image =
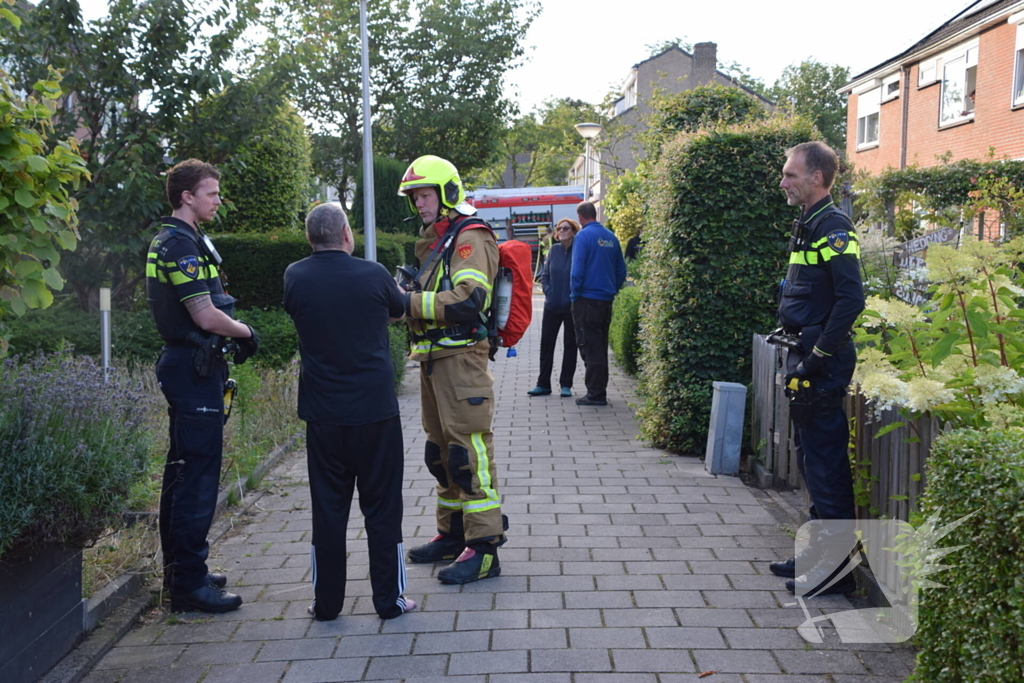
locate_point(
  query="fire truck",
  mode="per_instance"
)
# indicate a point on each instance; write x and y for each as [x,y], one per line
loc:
[526,213]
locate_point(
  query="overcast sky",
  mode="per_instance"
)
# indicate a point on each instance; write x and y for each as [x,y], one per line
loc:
[582,48]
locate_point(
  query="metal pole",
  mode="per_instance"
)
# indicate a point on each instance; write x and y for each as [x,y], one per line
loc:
[369,217]
[586,172]
[105,331]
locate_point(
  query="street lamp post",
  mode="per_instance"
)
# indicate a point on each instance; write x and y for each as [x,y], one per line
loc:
[369,215]
[588,131]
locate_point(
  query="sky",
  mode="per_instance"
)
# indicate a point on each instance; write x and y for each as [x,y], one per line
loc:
[583,48]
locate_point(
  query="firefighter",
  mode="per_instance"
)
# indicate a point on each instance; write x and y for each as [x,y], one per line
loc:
[448,310]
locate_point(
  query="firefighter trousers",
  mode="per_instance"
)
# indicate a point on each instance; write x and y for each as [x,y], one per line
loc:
[457,401]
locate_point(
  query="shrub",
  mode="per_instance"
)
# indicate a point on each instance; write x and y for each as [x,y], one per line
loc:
[624,206]
[398,334]
[71,447]
[254,263]
[278,341]
[624,335]
[705,106]
[974,629]
[714,253]
[390,210]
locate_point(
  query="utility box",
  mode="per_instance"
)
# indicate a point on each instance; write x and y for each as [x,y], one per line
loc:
[725,433]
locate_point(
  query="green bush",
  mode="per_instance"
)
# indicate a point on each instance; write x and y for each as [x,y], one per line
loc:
[278,341]
[390,209]
[254,263]
[705,106]
[624,335]
[71,448]
[714,252]
[973,630]
[398,334]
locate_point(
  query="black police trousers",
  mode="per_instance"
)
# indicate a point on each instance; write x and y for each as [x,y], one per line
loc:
[192,472]
[822,440]
[593,319]
[341,459]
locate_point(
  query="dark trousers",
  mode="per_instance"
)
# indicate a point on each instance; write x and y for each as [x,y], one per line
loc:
[368,458]
[548,336]
[822,441]
[592,319]
[192,472]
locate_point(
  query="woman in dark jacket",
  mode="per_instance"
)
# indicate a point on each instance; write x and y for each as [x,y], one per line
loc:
[554,280]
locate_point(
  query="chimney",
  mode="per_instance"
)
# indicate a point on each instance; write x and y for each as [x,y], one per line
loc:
[705,63]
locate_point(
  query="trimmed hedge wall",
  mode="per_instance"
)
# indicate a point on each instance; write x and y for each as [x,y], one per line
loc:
[973,630]
[624,335]
[254,263]
[715,251]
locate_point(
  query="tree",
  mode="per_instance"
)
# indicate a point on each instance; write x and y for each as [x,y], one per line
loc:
[128,80]
[811,89]
[38,173]
[625,206]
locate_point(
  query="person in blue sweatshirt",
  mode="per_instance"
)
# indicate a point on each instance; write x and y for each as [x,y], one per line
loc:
[554,280]
[598,273]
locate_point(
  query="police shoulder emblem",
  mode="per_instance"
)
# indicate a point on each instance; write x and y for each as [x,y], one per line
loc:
[465,250]
[189,265]
[838,240]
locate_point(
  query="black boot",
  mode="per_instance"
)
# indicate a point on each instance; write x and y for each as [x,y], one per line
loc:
[832,574]
[477,561]
[441,548]
[806,558]
[216,580]
[205,599]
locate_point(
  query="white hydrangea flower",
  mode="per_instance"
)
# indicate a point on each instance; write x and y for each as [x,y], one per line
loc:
[872,361]
[924,394]
[997,383]
[884,392]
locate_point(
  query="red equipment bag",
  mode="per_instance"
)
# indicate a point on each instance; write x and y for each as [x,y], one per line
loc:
[517,257]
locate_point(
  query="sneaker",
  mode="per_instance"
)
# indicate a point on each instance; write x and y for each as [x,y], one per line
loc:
[441,548]
[538,391]
[587,401]
[566,392]
[475,563]
[206,599]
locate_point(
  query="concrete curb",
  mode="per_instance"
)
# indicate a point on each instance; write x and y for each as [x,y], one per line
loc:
[111,613]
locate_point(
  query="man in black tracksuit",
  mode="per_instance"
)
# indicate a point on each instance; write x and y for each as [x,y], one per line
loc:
[190,306]
[341,306]
[822,296]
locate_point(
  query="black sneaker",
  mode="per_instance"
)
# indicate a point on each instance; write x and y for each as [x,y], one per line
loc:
[475,563]
[206,599]
[441,548]
[587,401]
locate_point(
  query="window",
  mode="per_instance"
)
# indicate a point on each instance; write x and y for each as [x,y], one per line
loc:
[959,79]
[891,87]
[927,72]
[867,118]
[1018,61]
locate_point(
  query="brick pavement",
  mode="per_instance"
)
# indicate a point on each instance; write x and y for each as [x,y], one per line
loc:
[624,565]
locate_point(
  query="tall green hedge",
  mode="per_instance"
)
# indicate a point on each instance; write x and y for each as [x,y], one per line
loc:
[390,209]
[714,254]
[624,334]
[254,263]
[973,630]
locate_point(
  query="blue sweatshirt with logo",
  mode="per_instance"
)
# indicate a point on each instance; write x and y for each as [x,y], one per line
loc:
[598,268]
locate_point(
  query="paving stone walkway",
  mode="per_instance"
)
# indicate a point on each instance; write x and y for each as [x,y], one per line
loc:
[624,565]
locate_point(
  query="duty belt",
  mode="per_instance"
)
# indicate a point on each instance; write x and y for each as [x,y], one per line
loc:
[442,332]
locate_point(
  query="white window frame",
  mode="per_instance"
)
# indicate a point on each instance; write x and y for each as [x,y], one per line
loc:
[958,82]
[928,71]
[869,106]
[1017,91]
[891,87]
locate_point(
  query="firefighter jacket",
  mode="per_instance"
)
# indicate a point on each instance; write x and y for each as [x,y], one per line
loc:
[822,294]
[450,315]
[180,267]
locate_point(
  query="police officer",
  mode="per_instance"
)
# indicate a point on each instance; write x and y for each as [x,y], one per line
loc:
[193,316]
[448,319]
[822,296]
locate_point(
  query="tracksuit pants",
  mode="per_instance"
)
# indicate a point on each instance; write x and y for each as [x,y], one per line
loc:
[341,459]
[457,400]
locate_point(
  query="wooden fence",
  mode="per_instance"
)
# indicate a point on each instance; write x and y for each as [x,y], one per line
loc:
[889,467]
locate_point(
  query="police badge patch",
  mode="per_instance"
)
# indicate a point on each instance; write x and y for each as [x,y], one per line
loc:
[189,265]
[838,240]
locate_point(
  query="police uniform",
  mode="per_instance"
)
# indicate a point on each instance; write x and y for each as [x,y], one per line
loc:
[822,296]
[449,339]
[179,267]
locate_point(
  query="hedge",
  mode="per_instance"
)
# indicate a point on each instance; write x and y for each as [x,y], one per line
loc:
[254,263]
[714,254]
[973,630]
[624,335]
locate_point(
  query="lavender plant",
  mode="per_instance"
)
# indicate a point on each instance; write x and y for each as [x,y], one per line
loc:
[960,356]
[71,448]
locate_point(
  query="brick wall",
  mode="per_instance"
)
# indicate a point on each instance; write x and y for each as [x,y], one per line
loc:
[995,124]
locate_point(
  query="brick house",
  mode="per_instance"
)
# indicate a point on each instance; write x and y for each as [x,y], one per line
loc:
[670,71]
[957,92]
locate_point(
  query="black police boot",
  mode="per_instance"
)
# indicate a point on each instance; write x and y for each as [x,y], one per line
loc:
[477,561]
[441,548]
[216,580]
[206,599]
[808,557]
[832,574]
